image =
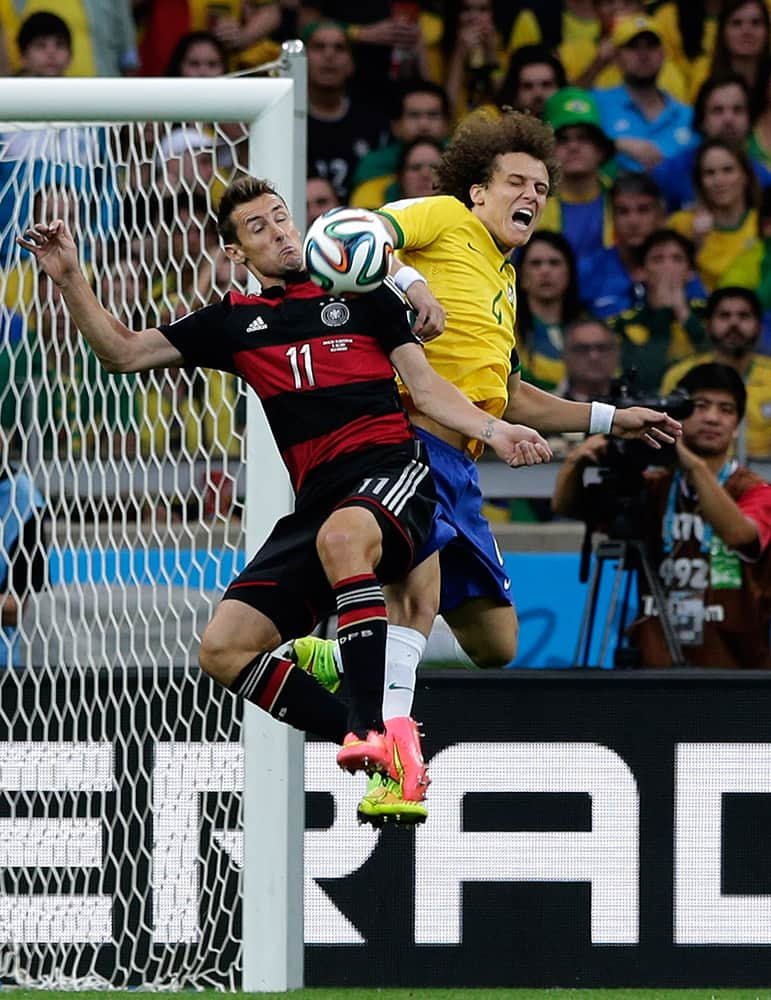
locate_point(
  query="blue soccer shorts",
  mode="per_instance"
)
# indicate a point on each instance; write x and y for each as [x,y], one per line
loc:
[471,562]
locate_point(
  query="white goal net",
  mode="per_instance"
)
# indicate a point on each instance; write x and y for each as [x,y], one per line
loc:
[121,768]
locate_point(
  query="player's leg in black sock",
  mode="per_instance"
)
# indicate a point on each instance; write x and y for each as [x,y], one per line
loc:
[290,695]
[361,634]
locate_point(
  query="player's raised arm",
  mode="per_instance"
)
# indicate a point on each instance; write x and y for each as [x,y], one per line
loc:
[118,348]
[551,413]
[514,444]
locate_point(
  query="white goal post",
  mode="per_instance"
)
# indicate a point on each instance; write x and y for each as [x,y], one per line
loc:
[125,483]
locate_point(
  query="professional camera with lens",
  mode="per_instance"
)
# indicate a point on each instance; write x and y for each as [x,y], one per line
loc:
[617,505]
[617,500]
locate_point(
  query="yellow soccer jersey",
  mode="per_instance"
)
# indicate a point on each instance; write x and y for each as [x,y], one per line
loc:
[474,282]
[758,384]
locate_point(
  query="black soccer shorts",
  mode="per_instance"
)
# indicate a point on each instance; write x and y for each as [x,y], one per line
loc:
[285,580]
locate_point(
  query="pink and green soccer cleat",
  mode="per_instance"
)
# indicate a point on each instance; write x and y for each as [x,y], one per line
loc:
[371,754]
[408,766]
[384,802]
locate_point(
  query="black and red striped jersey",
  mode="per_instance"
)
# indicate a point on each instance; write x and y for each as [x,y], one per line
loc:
[320,365]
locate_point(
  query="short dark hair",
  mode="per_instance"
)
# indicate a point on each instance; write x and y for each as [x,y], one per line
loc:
[634,183]
[238,192]
[588,320]
[708,88]
[716,376]
[417,85]
[529,55]
[481,138]
[662,236]
[42,25]
[734,292]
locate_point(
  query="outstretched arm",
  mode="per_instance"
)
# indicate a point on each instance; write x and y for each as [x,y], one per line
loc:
[118,348]
[437,398]
[551,414]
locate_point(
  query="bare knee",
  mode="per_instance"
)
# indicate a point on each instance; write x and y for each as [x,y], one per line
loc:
[491,657]
[489,645]
[222,658]
[214,654]
[348,542]
[334,545]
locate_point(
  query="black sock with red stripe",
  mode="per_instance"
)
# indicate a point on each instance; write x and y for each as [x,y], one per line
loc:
[362,626]
[291,695]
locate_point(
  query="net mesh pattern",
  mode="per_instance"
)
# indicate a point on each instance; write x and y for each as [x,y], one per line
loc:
[121,767]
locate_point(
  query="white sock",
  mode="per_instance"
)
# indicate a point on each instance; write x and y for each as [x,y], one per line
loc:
[404,649]
[443,647]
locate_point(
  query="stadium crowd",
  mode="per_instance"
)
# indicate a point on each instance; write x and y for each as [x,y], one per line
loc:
[653,256]
[662,114]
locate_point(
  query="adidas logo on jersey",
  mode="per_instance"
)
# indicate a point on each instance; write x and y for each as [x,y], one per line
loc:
[257,324]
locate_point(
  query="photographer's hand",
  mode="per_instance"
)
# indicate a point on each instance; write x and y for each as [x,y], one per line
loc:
[688,460]
[648,425]
[589,451]
[717,506]
[568,496]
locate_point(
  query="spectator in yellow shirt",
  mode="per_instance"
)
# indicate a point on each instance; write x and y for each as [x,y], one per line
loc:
[752,269]
[724,222]
[688,31]
[594,62]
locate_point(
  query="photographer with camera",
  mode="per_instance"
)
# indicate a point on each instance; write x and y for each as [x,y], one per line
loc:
[706,527]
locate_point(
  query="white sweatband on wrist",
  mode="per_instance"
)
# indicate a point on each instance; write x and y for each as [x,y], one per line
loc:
[601,418]
[407,276]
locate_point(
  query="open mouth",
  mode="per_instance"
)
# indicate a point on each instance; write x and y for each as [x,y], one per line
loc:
[522,218]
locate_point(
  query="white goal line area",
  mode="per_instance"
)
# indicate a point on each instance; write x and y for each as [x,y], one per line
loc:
[146,494]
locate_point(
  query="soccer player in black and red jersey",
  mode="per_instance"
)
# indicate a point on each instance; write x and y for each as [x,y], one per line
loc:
[365,499]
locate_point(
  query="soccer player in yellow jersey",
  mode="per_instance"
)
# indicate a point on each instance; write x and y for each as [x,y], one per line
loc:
[494,179]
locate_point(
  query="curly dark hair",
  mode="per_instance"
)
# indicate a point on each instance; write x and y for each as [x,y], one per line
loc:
[483,136]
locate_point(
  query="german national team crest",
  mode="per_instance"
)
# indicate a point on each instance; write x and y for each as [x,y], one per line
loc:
[335,314]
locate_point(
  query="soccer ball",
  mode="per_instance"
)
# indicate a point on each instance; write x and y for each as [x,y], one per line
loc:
[348,250]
